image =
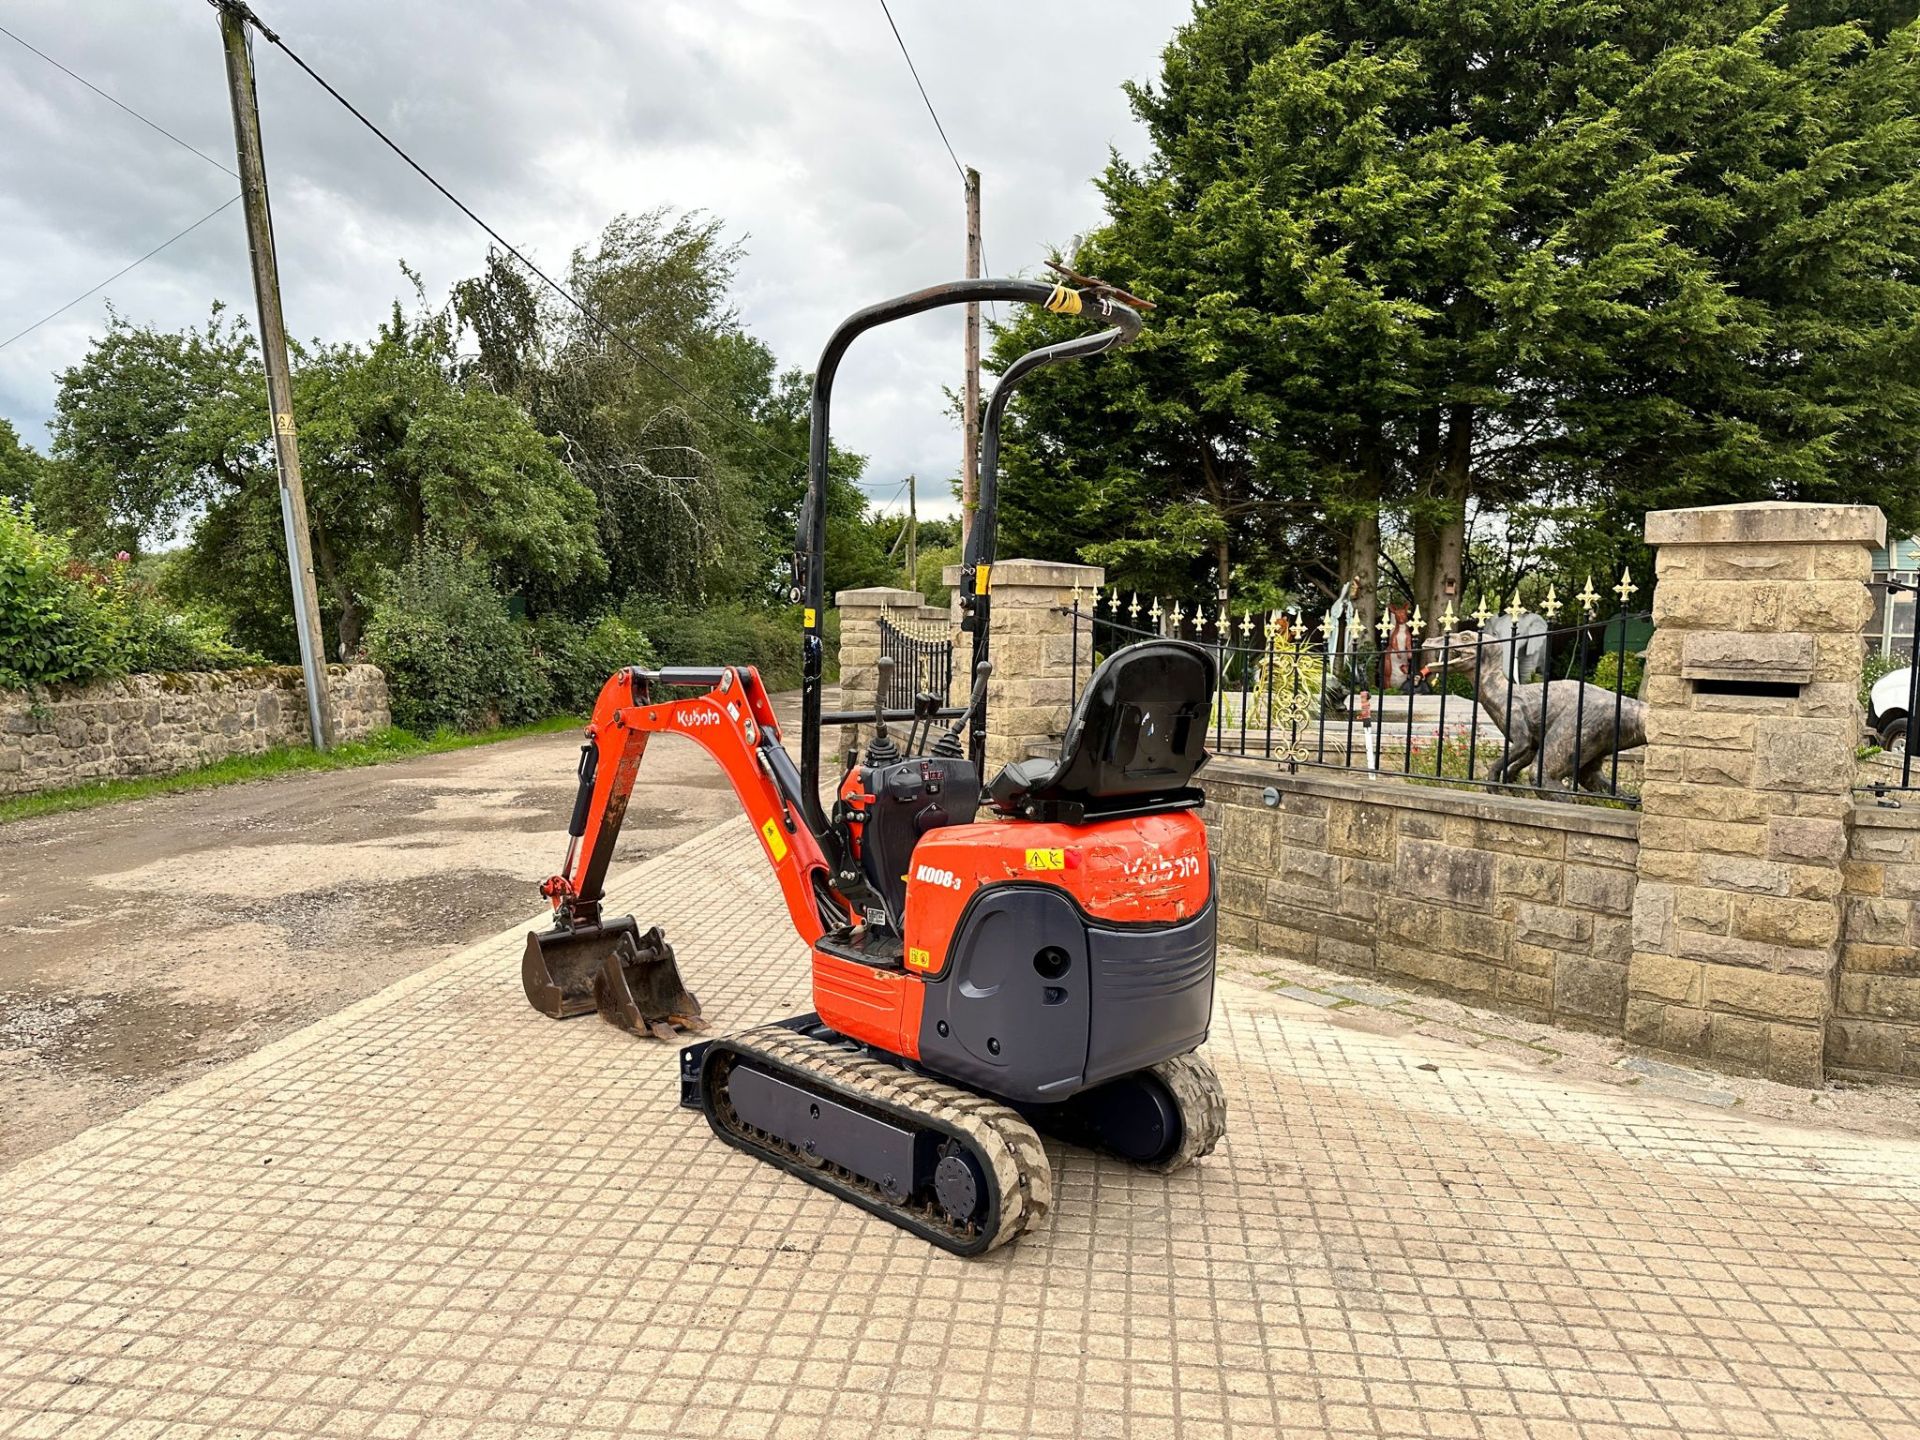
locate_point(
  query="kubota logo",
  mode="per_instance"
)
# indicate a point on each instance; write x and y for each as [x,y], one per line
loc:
[931,876]
[696,717]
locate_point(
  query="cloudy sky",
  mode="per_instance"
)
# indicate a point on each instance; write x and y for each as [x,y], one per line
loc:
[797,123]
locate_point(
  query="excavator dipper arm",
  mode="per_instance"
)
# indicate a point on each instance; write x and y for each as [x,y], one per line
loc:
[586,961]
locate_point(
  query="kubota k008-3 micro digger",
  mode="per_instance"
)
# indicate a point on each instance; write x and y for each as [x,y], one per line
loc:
[1050,966]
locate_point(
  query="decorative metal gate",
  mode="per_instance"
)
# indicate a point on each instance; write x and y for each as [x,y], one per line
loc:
[922,656]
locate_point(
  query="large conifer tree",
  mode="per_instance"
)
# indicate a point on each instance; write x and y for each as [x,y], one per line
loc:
[1412,257]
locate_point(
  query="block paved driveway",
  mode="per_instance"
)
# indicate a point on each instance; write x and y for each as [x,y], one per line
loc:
[440,1214]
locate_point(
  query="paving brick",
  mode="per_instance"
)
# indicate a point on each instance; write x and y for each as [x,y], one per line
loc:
[438,1213]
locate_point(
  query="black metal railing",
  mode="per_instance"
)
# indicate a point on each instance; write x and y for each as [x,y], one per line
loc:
[1894,725]
[922,656]
[1521,705]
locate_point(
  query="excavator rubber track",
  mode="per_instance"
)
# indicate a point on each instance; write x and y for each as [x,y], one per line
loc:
[1203,1110]
[955,1168]
[1162,1118]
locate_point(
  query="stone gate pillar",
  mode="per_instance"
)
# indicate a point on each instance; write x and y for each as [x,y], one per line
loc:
[860,612]
[1033,684]
[1753,724]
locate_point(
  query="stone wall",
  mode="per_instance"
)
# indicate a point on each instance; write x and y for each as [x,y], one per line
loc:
[1522,903]
[1874,1030]
[1753,722]
[157,724]
[1033,687]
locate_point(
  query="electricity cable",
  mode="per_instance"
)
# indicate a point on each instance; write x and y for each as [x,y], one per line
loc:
[586,312]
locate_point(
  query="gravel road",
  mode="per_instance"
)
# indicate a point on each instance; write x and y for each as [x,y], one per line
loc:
[145,942]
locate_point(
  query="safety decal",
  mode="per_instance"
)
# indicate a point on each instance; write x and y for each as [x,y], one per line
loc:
[1046,859]
[918,959]
[776,842]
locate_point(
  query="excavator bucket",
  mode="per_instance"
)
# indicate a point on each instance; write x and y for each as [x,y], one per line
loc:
[639,989]
[629,977]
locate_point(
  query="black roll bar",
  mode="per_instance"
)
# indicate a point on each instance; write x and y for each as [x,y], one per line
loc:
[976,599]
[809,578]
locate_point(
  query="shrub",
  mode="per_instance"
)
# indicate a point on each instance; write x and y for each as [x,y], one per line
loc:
[155,636]
[576,656]
[63,621]
[452,654]
[731,634]
[1607,672]
[53,626]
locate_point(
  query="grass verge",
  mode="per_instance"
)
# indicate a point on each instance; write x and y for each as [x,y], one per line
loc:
[383,745]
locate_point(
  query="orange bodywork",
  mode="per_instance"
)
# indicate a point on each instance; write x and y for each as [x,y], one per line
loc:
[1143,870]
[1150,869]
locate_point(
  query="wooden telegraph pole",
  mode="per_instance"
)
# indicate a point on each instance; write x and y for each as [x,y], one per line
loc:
[234,19]
[970,457]
[913,533]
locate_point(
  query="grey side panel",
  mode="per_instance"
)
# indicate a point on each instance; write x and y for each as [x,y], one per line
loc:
[1010,1029]
[1152,994]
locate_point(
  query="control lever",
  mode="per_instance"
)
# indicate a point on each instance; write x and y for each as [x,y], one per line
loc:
[881,750]
[948,746]
[921,731]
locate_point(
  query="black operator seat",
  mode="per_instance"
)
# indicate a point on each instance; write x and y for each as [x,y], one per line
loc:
[1134,741]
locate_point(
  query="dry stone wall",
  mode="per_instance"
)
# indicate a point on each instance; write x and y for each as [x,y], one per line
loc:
[1525,904]
[159,724]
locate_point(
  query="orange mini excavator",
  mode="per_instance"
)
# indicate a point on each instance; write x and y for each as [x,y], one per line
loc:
[974,980]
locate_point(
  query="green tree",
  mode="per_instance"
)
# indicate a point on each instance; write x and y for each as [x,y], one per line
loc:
[20,465]
[695,447]
[1412,258]
[157,432]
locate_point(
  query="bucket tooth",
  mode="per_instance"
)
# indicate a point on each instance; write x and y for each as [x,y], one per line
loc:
[638,988]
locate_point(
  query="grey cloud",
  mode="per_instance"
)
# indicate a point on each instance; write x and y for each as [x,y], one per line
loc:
[796,124]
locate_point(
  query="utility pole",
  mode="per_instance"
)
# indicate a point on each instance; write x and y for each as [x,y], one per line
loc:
[234,19]
[970,457]
[913,534]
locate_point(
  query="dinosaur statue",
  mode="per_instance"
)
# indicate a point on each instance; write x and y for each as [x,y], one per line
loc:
[1571,759]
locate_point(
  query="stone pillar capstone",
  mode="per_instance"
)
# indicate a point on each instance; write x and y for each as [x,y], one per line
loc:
[1753,724]
[1033,685]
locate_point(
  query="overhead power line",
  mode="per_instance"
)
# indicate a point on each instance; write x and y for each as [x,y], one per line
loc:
[914,70]
[120,104]
[587,312]
[55,314]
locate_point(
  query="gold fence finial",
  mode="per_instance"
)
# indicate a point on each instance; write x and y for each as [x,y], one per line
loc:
[1626,589]
[1588,596]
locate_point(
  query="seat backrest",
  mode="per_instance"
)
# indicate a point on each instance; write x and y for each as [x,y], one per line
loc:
[1140,726]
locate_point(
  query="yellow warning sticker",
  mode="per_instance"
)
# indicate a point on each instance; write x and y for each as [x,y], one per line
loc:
[809,617]
[1046,859]
[918,959]
[776,842]
[980,577]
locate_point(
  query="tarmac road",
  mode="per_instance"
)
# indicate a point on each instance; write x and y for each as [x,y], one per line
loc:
[144,943]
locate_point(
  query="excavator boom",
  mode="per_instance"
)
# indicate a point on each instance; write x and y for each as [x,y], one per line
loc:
[586,962]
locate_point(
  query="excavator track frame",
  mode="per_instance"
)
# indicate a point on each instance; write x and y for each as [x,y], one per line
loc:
[1005,1151]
